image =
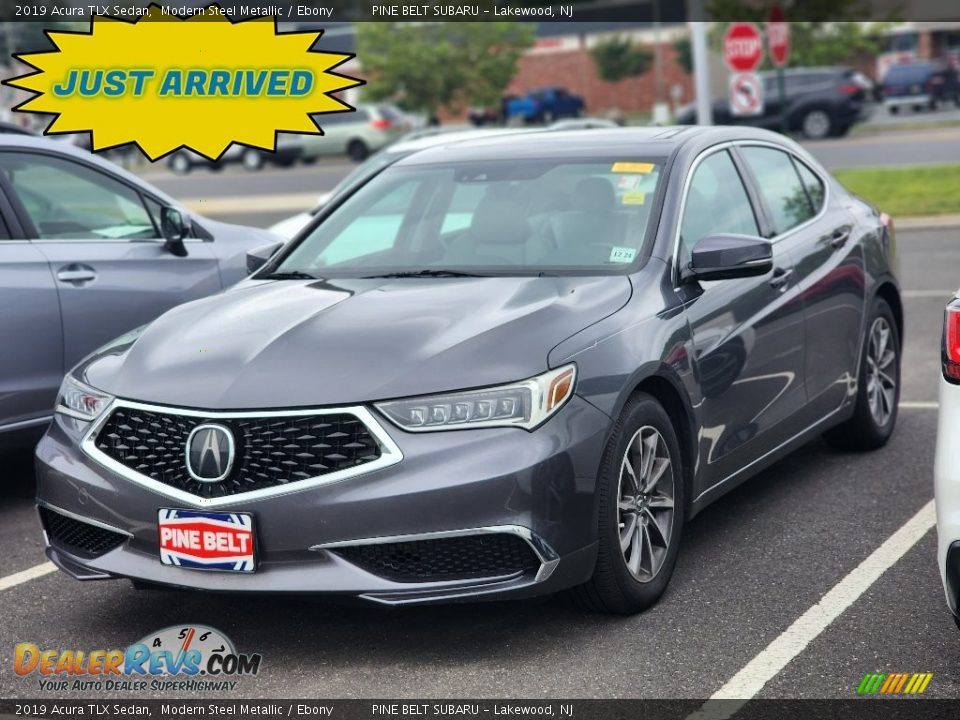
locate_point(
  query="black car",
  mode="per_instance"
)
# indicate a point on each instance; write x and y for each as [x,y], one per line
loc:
[920,85]
[820,102]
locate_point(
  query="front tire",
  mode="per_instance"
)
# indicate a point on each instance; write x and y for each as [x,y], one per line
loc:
[641,512]
[358,150]
[251,159]
[180,163]
[878,387]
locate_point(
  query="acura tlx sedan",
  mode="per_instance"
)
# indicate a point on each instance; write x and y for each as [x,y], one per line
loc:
[502,368]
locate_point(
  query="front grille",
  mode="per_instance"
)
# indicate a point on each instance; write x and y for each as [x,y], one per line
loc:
[270,451]
[453,558]
[76,536]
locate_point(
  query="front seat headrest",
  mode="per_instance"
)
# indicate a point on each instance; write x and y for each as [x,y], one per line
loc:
[499,221]
[594,195]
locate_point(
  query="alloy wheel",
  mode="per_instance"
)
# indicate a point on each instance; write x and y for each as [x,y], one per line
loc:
[881,372]
[816,124]
[645,506]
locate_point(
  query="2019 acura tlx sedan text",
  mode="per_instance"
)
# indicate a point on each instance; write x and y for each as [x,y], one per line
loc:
[500,368]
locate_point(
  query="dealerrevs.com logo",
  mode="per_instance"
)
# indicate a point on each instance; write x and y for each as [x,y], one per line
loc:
[180,658]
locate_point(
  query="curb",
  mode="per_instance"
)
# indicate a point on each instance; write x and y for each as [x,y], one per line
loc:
[927,222]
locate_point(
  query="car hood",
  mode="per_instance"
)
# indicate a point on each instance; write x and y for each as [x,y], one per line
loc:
[291,343]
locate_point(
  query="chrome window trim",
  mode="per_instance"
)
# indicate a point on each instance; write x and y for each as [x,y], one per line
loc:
[390,453]
[545,554]
[726,145]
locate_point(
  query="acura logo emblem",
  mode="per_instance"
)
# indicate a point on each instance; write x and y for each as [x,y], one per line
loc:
[210,452]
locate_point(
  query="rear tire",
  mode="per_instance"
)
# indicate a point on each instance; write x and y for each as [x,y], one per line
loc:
[358,150]
[878,387]
[816,124]
[638,532]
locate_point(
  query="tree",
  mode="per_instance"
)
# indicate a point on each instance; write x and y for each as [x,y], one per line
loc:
[683,52]
[425,67]
[812,41]
[619,58]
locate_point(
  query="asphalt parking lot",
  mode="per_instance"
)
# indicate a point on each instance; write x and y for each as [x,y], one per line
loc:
[750,565]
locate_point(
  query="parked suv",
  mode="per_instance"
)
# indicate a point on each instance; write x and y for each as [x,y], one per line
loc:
[820,102]
[89,251]
[920,85]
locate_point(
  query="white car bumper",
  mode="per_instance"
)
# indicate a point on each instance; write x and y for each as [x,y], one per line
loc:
[946,473]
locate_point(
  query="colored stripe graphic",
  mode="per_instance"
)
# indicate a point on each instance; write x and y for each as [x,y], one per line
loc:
[894,683]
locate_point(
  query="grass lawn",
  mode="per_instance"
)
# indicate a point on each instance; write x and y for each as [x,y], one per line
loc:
[907,190]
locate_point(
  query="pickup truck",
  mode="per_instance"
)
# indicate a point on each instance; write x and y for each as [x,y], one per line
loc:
[543,105]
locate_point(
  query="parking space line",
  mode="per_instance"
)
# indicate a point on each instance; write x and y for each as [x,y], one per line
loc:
[945,294]
[27,575]
[919,405]
[749,681]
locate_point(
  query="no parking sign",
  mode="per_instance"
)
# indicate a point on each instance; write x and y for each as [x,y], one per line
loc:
[746,94]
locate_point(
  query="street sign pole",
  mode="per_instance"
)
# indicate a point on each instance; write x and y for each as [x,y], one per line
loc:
[782,99]
[778,41]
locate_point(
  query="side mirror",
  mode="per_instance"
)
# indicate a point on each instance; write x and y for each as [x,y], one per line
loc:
[723,257]
[173,227]
[258,257]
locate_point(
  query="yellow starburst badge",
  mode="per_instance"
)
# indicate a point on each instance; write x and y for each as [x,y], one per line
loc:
[202,82]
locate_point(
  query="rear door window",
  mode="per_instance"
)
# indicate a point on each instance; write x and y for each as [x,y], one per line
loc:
[780,186]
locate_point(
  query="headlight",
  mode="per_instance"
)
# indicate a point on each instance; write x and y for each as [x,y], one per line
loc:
[81,401]
[524,404]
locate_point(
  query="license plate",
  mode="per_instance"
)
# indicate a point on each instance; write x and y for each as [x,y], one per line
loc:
[206,540]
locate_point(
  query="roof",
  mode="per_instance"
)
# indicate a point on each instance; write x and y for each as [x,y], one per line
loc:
[628,143]
[642,141]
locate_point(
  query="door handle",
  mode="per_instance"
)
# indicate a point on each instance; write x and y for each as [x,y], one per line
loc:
[76,274]
[839,237]
[781,279]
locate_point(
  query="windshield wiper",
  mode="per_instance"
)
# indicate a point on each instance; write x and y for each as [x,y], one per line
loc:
[290,275]
[423,273]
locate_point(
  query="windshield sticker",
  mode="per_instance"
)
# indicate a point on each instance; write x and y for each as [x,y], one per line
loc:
[632,167]
[629,182]
[634,198]
[622,254]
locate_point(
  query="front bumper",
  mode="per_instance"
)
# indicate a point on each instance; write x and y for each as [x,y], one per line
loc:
[537,486]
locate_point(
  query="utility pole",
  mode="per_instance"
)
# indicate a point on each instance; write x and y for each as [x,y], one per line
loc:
[701,66]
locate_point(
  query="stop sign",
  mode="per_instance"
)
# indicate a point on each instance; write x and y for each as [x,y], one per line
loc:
[778,36]
[742,47]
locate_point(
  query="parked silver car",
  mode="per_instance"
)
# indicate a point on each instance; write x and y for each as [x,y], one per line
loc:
[89,251]
[357,133]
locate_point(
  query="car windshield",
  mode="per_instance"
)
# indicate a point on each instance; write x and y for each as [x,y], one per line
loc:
[499,217]
[369,167]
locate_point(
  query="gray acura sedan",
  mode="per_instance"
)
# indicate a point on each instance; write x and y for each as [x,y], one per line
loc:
[502,368]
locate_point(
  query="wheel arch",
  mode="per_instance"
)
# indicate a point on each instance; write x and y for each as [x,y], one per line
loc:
[667,389]
[889,292]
